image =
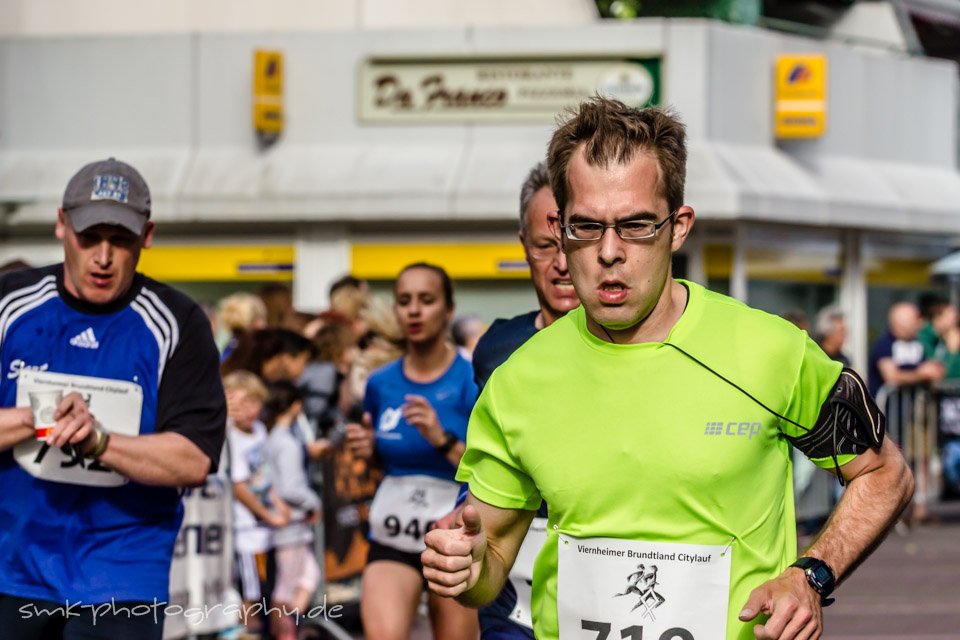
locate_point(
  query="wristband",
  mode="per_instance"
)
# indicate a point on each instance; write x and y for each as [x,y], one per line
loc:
[448,443]
[103,439]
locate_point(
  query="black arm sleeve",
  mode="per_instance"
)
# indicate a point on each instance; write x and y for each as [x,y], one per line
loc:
[849,423]
[191,401]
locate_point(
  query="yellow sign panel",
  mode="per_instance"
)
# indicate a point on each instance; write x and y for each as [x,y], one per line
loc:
[801,99]
[268,92]
[494,261]
[212,263]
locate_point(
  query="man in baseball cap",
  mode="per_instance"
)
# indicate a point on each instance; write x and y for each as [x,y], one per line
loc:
[104,224]
[92,504]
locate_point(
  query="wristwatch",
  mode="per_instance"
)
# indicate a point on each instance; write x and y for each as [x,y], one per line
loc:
[819,575]
[449,441]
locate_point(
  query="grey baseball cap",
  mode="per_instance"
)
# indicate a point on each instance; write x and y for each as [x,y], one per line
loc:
[107,192]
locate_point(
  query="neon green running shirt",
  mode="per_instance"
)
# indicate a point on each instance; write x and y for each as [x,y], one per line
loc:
[639,442]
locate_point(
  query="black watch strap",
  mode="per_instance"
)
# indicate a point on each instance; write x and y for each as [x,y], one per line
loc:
[448,443]
[819,576]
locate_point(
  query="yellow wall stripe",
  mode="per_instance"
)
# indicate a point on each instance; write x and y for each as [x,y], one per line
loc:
[218,263]
[476,261]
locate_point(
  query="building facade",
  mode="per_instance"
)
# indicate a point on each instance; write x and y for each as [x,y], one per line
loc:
[408,144]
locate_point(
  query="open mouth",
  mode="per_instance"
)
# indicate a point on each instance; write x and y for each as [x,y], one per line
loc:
[612,292]
[101,279]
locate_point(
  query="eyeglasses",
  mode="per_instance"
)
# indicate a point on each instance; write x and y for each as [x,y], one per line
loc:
[627,229]
[544,252]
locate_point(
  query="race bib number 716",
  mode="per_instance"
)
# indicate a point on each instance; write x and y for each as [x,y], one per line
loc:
[612,589]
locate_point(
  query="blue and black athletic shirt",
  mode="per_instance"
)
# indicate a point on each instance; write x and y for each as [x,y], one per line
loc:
[62,541]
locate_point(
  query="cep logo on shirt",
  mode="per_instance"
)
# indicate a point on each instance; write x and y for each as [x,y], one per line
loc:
[733,428]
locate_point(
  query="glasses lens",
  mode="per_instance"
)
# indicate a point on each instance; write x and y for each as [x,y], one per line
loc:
[543,252]
[635,229]
[585,230]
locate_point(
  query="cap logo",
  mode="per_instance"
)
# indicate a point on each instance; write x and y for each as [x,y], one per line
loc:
[107,187]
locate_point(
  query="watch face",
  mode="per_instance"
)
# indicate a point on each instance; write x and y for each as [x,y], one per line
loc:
[820,574]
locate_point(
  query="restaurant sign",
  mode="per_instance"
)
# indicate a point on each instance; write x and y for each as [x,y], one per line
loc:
[427,91]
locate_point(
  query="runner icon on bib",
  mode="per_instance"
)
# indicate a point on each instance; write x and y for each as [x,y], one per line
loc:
[642,583]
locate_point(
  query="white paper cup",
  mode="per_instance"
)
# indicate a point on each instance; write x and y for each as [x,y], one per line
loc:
[44,405]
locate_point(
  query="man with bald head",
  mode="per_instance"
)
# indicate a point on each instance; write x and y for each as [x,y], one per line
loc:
[897,356]
[898,360]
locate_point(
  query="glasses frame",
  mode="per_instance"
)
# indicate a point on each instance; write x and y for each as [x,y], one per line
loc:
[543,254]
[654,226]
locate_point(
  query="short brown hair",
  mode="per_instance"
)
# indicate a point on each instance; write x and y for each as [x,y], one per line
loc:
[613,132]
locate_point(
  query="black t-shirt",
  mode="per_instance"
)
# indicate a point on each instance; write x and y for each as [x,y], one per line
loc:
[495,346]
[499,342]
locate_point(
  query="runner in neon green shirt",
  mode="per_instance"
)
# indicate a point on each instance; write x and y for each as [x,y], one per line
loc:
[657,422]
[652,440]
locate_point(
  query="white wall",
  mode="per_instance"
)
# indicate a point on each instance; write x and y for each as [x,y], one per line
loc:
[178,106]
[882,105]
[41,18]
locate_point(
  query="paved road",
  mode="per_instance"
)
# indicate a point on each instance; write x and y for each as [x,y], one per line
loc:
[908,589]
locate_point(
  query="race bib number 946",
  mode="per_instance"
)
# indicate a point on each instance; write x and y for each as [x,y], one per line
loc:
[405,508]
[612,589]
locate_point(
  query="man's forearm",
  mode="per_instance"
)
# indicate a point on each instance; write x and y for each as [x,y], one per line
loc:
[493,575]
[869,507]
[246,497]
[906,378]
[162,459]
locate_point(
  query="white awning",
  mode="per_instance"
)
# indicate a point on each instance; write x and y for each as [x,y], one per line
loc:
[947,266]
[751,182]
[32,182]
[476,178]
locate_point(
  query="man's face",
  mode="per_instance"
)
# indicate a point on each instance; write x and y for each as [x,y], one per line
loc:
[840,330]
[548,264]
[905,321]
[620,282]
[99,262]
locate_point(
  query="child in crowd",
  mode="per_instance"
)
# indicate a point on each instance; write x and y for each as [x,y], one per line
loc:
[256,510]
[298,571]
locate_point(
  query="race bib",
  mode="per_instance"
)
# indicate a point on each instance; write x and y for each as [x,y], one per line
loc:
[405,508]
[610,588]
[116,404]
[521,576]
